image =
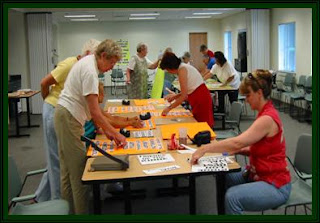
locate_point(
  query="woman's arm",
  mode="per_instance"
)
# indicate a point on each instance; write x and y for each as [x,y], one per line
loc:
[206,75]
[46,82]
[122,122]
[154,65]
[228,81]
[101,121]
[260,128]
[128,73]
[183,95]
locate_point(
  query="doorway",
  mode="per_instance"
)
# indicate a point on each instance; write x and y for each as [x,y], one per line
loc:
[195,41]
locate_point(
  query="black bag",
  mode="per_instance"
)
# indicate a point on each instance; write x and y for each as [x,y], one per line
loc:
[203,137]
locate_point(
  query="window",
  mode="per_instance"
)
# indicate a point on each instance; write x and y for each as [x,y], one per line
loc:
[228,46]
[287,47]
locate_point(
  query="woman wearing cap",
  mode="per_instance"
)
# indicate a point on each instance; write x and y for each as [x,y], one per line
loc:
[265,183]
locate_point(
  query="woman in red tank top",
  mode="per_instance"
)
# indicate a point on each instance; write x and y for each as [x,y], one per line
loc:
[265,183]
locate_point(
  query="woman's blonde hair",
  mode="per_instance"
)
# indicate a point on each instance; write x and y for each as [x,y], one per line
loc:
[90,47]
[258,79]
[111,48]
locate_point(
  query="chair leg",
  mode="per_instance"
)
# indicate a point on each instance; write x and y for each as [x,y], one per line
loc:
[285,211]
[305,209]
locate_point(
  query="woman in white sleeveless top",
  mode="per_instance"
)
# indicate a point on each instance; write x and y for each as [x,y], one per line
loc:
[192,88]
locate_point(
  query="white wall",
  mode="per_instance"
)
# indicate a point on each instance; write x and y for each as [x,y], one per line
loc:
[234,23]
[158,35]
[18,59]
[303,20]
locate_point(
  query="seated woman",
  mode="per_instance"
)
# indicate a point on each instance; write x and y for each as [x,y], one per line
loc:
[192,88]
[265,183]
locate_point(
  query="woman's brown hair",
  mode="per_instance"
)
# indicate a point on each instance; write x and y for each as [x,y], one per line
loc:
[258,79]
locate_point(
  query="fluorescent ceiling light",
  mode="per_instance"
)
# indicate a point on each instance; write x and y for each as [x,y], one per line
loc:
[83,20]
[145,14]
[197,17]
[141,18]
[207,13]
[80,16]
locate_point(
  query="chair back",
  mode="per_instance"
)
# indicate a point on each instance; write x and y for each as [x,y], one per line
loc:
[301,85]
[116,74]
[308,85]
[302,80]
[284,79]
[14,180]
[303,157]
[235,112]
[288,82]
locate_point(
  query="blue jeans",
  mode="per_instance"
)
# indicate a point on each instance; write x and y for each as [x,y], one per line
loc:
[167,84]
[242,195]
[49,187]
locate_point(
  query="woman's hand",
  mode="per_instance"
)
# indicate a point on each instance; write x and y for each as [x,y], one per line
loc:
[197,155]
[136,122]
[165,111]
[170,97]
[118,138]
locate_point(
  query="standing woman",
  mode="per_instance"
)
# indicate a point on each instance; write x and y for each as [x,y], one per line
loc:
[192,88]
[78,102]
[265,183]
[227,75]
[137,73]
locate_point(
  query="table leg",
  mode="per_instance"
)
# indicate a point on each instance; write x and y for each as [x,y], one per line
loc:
[17,121]
[28,117]
[127,198]
[175,190]
[221,190]
[192,194]
[96,199]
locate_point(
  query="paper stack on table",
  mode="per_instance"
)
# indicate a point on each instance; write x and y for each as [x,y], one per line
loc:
[155,158]
[161,169]
[211,164]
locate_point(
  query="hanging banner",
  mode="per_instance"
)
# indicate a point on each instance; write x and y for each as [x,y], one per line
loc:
[125,52]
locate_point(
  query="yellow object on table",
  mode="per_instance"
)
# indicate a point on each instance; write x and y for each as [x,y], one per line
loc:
[140,102]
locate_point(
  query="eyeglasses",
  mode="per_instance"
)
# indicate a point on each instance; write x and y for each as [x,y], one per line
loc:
[251,77]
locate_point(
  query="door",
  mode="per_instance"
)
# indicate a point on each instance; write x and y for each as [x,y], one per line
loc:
[195,41]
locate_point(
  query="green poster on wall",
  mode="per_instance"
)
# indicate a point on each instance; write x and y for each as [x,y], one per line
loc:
[125,52]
